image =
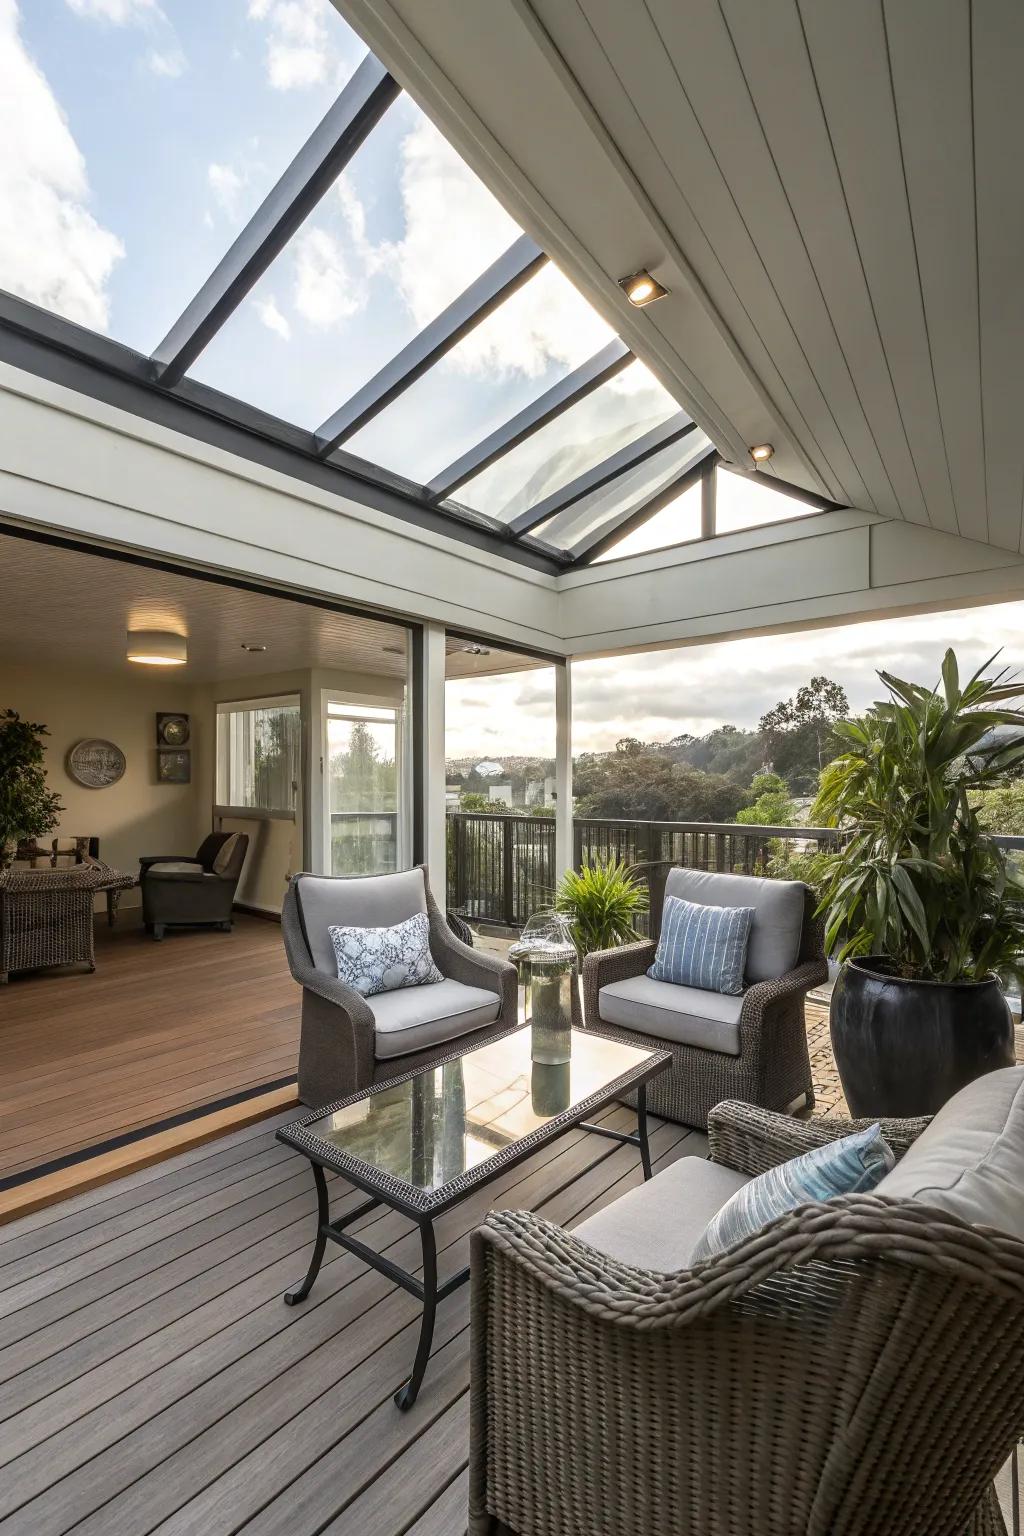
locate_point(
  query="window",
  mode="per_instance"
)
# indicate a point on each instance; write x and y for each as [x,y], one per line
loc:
[363,786]
[259,755]
[677,523]
[752,501]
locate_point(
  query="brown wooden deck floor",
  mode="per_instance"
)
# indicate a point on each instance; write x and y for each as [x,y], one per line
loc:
[152,1379]
[155,1030]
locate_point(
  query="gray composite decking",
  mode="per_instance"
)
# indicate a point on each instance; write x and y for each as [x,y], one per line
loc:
[152,1379]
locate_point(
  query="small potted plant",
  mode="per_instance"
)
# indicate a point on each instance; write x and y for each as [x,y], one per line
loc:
[602,902]
[27,807]
[922,905]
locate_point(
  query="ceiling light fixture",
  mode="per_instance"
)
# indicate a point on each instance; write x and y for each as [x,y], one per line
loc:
[761,452]
[157,647]
[254,648]
[641,288]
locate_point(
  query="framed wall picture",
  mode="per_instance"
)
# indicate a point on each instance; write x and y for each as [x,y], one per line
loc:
[173,767]
[172,730]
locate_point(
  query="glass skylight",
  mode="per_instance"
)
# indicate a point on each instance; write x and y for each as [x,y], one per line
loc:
[537,336]
[626,494]
[137,140]
[405,229]
[592,430]
[677,523]
[752,501]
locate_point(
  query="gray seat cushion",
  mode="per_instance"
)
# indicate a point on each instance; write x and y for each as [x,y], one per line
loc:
[363,901]
[774,943]
[415,1018]
[686,1015]
[657,1225]
[970,1159]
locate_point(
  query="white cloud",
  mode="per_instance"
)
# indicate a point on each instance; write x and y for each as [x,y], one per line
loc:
[119,13]
[226,185]
[168,63]
[301,41]
[52,249]
[323,292]
[272,317]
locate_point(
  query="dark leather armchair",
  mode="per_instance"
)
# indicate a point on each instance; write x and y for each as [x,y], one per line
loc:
[185,890]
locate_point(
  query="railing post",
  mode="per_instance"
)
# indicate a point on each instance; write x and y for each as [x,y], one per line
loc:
[507,871]
[563,770]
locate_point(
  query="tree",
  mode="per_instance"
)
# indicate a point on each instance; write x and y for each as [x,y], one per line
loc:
[641,783]
[363,780]
[27,807]
[1002,810]
[798,733]
[770,805]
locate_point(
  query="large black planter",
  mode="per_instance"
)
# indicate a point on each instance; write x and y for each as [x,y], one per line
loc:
[905,1047]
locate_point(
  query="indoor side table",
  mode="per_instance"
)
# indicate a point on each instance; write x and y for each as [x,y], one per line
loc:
[421,1143]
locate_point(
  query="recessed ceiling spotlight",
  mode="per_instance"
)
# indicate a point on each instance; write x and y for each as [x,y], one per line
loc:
[157,647]
[253,647]
[641,288]
[761,452]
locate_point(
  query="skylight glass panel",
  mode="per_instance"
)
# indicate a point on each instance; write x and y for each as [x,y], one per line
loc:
[404,230]
[751,501]
[624,495]
[138,139]
[539,334]
[677,523]
[623,409]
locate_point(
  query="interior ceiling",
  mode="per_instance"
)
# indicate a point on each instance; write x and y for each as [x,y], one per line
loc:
[828,190]
[69,609]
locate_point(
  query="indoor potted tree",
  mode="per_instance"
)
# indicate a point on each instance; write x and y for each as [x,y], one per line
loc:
[921,903]
[27,807]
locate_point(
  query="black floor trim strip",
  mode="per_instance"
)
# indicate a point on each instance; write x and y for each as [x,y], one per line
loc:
[13,1180]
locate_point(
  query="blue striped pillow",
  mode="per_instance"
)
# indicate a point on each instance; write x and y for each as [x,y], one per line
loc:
[702,947]
[849,1166]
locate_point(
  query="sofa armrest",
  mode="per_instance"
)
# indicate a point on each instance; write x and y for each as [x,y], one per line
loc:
[607,965]
[752,1140]
[352,1003]
[758,999]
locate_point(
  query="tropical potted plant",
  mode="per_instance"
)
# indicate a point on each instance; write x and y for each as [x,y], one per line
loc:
[921,903]
[27,807]
[602,902]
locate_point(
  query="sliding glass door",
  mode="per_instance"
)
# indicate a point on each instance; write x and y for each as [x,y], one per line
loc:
[364,786]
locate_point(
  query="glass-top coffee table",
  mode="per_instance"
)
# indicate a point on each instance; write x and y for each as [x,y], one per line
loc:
[423,1142]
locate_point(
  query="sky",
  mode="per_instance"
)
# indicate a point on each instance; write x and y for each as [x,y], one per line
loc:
[660,694]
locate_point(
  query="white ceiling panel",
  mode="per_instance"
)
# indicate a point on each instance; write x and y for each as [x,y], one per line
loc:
[830,190]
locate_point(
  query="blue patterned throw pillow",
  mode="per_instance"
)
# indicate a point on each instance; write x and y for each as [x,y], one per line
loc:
[373,960]
[847,1167]
[702,947]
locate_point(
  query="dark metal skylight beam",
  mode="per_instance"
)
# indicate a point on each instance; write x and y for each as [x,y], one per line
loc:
[581,382]
[629,457]
[596,543]
[314,170]
[502,278]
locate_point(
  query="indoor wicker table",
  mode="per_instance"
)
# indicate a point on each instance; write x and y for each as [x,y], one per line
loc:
[422,1143]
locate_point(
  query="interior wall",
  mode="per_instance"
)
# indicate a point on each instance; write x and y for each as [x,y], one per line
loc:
[138,815]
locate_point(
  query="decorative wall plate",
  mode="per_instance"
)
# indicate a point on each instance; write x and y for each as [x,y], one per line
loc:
[95,763]
[172,730]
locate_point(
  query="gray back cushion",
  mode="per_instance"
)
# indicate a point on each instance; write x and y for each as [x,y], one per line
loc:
[970,1159]
[364,901]
[774,943]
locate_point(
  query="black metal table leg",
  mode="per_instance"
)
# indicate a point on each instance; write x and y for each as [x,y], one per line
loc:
[406,1395]
[323,1216]
[641,1128]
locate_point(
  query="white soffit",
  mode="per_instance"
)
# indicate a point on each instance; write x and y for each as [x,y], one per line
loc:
[821,186]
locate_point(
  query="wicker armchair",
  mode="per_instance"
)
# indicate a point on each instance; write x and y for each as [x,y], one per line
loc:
[772,1067]
[856,1368]
[46,917]
[348,1041]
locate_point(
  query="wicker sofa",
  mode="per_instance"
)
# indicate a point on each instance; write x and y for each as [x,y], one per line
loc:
[752,1047]
[348,1041]
[46,917]
[855,1368]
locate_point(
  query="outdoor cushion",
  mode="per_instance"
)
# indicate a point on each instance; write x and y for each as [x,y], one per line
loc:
[174,867]
[418,1017]
[774,943]
[376,960]
[687,1015]
[658,1224]
[225,853]
[970,1159]
[702,946]
[366,901]
[849,1166]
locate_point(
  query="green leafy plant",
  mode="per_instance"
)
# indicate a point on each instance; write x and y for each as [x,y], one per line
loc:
[770,805]
[602,901]
[27,807]
[918,878]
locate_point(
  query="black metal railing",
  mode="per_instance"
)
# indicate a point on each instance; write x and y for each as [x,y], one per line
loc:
[503,868]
